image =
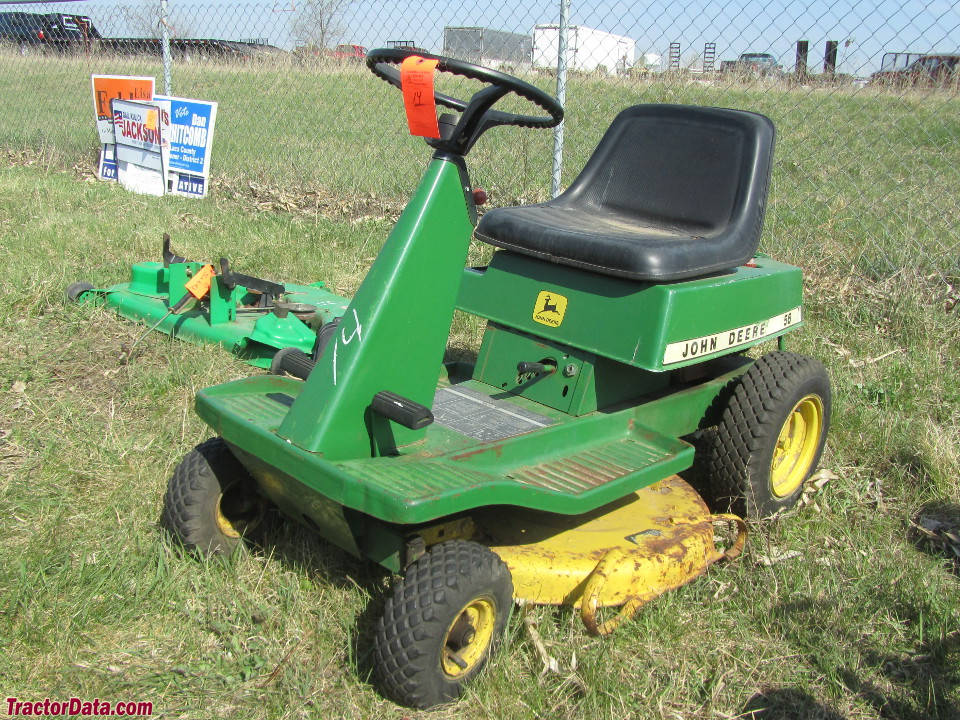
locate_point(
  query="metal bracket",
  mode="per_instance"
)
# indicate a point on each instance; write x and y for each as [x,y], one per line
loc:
[232,279]
[168,256]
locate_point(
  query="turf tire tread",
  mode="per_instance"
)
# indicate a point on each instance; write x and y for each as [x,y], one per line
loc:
[421,609]
[188,492]
[750,420]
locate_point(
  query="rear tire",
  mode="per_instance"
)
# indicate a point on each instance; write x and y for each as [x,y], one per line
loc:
[212,503]
[771,434]
[445,619]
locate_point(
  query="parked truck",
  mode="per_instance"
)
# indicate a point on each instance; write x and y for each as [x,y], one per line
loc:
[753,64]
[45,31]
[348,52]
[918,70]
[59,32]
[588,50]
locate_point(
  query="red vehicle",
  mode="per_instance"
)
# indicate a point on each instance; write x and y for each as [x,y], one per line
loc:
[931,70]
[348,52]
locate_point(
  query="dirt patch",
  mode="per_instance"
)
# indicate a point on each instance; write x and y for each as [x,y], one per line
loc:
[262,197]
[250,195]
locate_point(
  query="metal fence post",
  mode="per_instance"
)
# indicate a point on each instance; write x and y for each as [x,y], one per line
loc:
[561,96]
[165,40]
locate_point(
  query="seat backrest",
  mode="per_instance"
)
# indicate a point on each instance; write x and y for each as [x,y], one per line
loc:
[671,192]
[683,167]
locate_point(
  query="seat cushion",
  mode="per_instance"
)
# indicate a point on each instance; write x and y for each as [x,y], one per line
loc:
[671,192]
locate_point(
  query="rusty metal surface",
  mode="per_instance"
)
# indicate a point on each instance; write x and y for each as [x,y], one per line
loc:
[625,553]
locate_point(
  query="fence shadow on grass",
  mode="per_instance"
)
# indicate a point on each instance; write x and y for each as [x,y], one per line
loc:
[935,530]
[786,704]
[918,681]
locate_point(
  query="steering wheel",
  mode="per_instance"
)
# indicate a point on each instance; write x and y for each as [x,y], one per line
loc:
[476,115]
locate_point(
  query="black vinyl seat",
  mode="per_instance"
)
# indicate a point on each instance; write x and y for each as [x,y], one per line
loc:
[671,192]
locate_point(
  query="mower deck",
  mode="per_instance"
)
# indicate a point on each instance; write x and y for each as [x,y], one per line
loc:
[232,319]
[625,553]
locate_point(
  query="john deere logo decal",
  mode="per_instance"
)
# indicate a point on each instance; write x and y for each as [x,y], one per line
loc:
[549,308]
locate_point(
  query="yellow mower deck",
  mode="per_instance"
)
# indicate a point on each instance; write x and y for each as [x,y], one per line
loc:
[625,553]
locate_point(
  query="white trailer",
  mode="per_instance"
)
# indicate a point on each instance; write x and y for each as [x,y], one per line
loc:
[495,49]
[587,49]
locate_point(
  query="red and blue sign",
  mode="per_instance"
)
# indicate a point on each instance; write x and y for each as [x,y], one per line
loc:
[191,141]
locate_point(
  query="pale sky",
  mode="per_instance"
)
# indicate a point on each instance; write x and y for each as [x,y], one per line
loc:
[734,25]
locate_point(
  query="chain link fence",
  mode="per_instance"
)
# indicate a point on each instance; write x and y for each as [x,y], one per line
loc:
[864,96]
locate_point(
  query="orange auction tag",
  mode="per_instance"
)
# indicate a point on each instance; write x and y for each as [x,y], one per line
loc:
[416,77]
[199,284]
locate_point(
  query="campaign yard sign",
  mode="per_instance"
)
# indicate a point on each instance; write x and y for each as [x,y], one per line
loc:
[120,87]
[142,147]
[107,169]
[191,142]
[105,89]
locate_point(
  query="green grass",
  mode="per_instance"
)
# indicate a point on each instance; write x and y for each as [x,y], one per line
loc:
[865,179]
[95,601]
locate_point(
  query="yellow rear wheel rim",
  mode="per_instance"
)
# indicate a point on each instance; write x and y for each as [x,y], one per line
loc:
[796,446]
[468,638]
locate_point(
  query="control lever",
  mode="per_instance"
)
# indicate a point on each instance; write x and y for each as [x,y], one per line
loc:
[538,368]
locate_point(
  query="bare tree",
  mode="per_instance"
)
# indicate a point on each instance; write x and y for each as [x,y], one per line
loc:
[319,23]
[693,61]
[144,20]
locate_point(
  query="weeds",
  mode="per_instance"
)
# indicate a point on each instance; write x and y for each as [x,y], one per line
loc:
[847,608]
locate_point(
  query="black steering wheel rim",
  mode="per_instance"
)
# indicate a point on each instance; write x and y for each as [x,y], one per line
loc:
[380,62]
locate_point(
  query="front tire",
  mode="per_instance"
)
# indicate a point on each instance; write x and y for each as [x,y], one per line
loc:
[445,619]
[771,434]
[212,503]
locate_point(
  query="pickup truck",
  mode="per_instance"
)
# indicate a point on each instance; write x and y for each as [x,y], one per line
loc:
[930,70]
[22,30]
[45,31]
[40,31]
[751,63]
[348,52]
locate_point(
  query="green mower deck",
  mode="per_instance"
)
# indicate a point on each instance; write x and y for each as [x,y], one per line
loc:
[230,317]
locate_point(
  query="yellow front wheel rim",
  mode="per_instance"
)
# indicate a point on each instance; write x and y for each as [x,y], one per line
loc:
[796,446]
[224,523]
[468,638]
[238,511]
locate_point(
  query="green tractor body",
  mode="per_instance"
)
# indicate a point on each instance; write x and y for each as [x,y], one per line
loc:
[618,317]
[604,417]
